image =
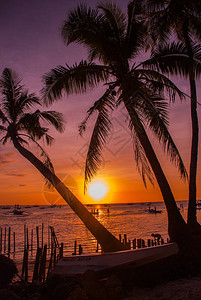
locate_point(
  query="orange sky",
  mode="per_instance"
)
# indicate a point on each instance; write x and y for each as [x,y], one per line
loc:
[32,50]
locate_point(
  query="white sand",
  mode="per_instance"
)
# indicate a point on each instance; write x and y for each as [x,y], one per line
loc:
[184,289]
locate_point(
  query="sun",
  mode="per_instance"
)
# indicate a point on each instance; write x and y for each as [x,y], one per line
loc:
[98,189]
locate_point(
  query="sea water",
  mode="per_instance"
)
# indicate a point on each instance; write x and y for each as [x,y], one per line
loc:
[132,219]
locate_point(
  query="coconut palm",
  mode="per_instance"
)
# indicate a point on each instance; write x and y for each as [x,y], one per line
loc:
[21,126]
[115,42]
[182,18]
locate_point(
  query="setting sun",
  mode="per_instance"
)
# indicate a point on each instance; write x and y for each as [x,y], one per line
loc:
[98,189]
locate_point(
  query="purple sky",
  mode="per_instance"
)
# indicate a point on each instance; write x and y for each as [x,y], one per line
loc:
[31,45]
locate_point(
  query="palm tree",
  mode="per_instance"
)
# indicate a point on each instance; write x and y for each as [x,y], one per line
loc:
[183,18]
[21,126]
[115,42]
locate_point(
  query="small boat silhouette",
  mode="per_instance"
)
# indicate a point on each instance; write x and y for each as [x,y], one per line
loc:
[154,210]
[17,210]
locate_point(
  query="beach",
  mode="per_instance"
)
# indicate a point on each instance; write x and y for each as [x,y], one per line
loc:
[181,289]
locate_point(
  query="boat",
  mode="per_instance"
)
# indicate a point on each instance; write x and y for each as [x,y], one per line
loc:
[71,265]
[153,210]
[17,210]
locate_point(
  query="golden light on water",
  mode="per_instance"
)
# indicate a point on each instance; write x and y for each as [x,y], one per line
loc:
[98,189]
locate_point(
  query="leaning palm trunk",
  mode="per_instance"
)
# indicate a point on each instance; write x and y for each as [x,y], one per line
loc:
[107,241]
[176,223]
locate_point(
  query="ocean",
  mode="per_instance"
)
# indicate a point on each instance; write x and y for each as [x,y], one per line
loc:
[132,219]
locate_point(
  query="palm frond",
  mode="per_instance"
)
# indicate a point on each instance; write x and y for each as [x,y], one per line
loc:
[3,117]
[159,83]
[136,30]
[115,18]
[54,118]
[155,111]
[76,79]
[142,163]
[11,89]
[27,100]
[80,24]
[3,128]
[98,139]
[106,100]
[173,59]
[10,84]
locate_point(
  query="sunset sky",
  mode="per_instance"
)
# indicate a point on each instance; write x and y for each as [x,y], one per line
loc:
[31,45]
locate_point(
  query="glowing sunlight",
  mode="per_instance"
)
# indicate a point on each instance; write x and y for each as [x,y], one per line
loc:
[98,189]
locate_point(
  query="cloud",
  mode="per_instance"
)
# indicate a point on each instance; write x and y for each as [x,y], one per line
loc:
[22,184]
[4,158]
[15,174]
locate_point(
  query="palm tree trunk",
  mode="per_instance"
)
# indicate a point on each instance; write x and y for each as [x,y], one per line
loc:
[176,223]
[192,212]
[107,241]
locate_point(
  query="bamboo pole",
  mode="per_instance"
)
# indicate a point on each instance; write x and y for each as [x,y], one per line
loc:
[42,235]
[27,234]
[25,237]
[31,240]
[5,240]
[37,237]
[14,242]
[61,251]
[48,236]
[134,243]
[36,266]
[41,273]
[1,239]
[25,265]
[75,248]
[9,233]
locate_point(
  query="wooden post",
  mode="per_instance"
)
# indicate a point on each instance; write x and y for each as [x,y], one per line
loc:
[120,237]
[50,265]
[75,248]
[42,235]
[129,243]
[61,250]
[48,237]
[36,266]
[149,243]
[31,240]
[125,238]
[162,241]
[25,237]
[9,232]
[5,240]
[139,244]
[143,243]
[54,256]
[97,247]
[37,237]
[1,239]
[134,244]
[41,274]
[14,242]
[27,234]
[80,249]
[25,265]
